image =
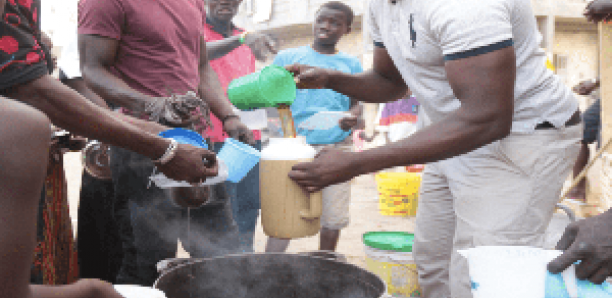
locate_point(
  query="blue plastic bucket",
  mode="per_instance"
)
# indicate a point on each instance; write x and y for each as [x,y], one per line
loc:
[185,136]
[240,158]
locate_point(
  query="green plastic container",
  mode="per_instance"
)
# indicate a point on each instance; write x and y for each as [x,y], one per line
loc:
[270,87]
[393,241]
[389,255]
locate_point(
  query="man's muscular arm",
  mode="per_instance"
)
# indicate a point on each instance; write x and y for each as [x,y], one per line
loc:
[211,91]
[84,288]
[97,55]
[79,85]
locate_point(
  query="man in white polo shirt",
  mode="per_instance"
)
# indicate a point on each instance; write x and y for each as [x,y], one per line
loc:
[504,130]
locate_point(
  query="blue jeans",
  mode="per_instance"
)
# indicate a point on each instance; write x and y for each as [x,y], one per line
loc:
[244,197]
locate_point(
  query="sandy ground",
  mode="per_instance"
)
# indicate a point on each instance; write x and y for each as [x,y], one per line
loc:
[364,216]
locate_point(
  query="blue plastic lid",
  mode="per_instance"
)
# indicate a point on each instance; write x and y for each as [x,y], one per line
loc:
[185,136]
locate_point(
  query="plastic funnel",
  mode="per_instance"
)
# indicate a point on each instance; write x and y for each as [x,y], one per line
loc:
[185,136]
[269,87]
[240,158]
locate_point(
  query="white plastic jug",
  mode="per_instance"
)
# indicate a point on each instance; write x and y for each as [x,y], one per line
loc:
[287,211]
[520,271]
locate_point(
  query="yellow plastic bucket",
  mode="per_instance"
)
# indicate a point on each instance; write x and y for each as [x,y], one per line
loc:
[398,193]
[389,255]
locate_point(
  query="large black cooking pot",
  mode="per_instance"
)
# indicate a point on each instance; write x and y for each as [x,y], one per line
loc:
[269,276]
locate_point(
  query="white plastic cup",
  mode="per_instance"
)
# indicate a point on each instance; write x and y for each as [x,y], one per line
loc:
[240,158]
[254,120]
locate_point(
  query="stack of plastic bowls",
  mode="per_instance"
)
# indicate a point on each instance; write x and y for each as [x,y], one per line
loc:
[240,158]
[185,136]
[270,87]
[189,137]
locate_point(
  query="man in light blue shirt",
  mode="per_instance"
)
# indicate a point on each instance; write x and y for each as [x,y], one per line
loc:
[332,22]
[312,101]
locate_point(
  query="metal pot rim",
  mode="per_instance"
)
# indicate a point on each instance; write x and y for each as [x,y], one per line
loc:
[301,255]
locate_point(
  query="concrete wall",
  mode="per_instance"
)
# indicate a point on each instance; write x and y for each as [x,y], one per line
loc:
[301,35]
[579,42]
[288,12]
[559,8]
[296,12]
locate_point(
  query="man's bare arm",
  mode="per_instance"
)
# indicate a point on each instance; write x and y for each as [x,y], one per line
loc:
[218,49]
[260,45]
[383,83]
[2,5]
[210,88]
[211,91]
[97,56]
[485,86]
[69,110]
[79,85]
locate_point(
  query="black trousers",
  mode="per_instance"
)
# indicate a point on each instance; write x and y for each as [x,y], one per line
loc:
[99,246]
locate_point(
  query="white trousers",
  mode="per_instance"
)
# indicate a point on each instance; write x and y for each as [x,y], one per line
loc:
[501,194]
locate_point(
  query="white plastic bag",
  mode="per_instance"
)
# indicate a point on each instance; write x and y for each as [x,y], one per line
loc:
[323,120]
[164,182]
[254,120]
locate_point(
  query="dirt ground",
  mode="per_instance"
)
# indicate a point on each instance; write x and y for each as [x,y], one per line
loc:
[364,216]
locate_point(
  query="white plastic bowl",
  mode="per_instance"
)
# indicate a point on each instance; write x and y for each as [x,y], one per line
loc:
[133,291]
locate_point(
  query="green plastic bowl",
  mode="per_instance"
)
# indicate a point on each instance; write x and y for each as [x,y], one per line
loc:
[270,87]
